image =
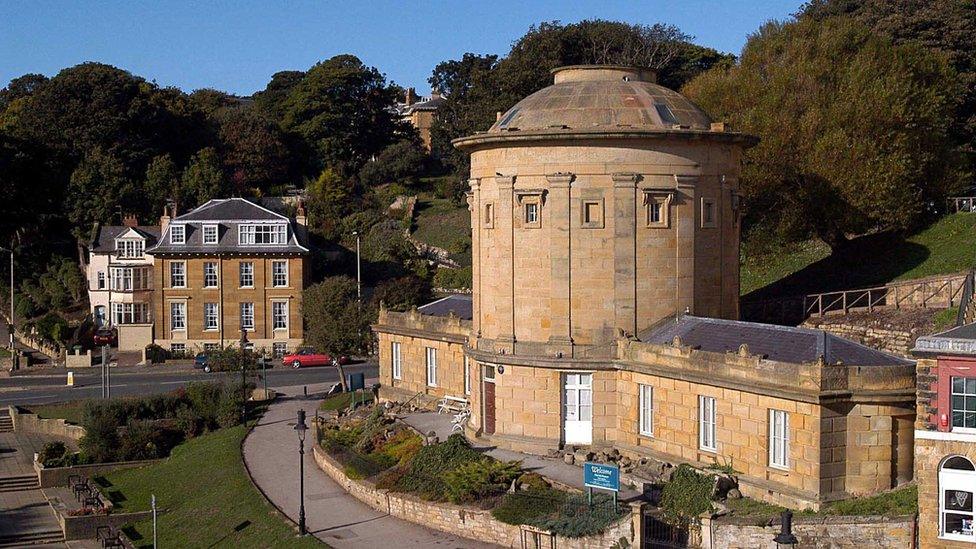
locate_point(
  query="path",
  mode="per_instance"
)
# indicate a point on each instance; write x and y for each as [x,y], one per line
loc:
[555,469]
[332,515]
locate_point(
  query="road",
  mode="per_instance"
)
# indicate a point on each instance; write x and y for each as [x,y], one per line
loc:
[134,381]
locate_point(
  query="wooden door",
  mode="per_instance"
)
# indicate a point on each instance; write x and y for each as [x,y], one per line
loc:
[488,390]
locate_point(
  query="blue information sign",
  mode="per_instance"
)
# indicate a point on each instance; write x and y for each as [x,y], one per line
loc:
[601,475]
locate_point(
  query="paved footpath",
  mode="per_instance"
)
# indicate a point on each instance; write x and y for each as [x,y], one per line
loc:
[332,515]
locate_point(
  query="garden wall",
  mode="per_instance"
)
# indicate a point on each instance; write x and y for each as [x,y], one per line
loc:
[835,532]
[58,476]
[86,526]
[58,427]
[462,521]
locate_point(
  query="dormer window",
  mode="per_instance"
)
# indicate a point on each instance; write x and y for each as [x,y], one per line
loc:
[265,234]
[177,234]
[209,234]
[130,248]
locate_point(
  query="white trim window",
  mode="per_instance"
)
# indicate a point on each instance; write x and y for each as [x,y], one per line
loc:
[247,316]
[279,349]
[247,274]
[177,316]
[467,376]
[130,248]
[706,423]
[130,313]
[100,276]
[431,361]
[957,487]
[128,279]
[279,273]
[396,364]
[177,348]
[211,316]
[531,213]
[210,233]
[963,404]
[177,274]
[177,234]
[779,439]
[646,420]
[279,315]
[210,277]
[262,235]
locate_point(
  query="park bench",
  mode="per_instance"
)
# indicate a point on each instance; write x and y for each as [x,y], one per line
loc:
[452,404]
[109,537]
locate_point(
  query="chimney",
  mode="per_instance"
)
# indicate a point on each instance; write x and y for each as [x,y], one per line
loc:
[411,97]
[300,215]
[301,224]
[130,221]
[498,115]
[435,93]
[164,219]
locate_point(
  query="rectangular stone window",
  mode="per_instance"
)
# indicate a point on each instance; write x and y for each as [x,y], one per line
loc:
[178,349]
[211,347]
[211,316]
[706,423]
[708,213]
[279,349]
[657,208]
[646,410]
[210,234]
[279,273]
[247,274]
[431,356]
[279,315]
[210,274]
[101,280]
[532,213]
[247,316]
[177,274]
[396,363]
[177,234]
[488,219]
[779,439]
[177,316]
[592,212]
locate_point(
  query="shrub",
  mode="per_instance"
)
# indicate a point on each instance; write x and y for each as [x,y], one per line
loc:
[425,475]
[52,452]
[403,446]
[453,279]
[229,409]
[204,399]
[479,479]
[190,423]
[687,495]
[156,354]
[529,506]
[140,440]
[575,517]
[101,440]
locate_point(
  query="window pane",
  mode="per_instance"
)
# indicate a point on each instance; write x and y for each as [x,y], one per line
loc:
[958,500]
[958,385]
[971,385]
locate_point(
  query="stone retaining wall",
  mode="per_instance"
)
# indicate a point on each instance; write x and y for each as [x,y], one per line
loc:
[58,476]
[835,532]
[28,422]
[470,523]
[899,342]
[86,526]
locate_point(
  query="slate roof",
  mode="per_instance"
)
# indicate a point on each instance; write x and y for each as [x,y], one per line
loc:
[960,340]
[779,343]
[104,241]
[459,304]
[228,214]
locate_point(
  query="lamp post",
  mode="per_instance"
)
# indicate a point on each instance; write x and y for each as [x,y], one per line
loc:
[244,358]
[359,279]
[301,428]
[785,538]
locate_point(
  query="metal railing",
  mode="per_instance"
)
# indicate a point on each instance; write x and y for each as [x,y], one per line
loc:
[955,204]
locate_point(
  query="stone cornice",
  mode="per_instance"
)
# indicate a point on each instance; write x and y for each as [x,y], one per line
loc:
[487,139]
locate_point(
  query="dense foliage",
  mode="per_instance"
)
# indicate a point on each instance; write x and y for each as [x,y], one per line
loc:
[687,495]
[854,129]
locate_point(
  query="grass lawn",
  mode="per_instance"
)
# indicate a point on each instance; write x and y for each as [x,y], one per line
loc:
[440,223]
[342,401]
[944,247]
[68,411]
[903,501]
[207,498]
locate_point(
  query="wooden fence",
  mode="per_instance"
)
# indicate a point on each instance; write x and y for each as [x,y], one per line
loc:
[955,204]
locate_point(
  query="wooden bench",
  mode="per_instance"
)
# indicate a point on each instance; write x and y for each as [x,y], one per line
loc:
[452,404]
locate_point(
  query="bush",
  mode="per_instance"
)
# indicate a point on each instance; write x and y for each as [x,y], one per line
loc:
[52,452]
[529,506]
[140,440]
[687,495]
[230,407]
[156,354]
[101,440]
[575,517]
[425,476]
[480,479]
[190,423]
[453,279]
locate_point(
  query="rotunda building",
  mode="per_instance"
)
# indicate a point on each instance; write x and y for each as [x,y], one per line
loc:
[600,205]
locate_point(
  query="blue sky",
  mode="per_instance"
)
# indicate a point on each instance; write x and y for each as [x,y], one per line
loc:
[237,46]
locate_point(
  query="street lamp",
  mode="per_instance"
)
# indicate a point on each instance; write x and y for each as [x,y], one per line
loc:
[301,428]
[359,280]
[785,538]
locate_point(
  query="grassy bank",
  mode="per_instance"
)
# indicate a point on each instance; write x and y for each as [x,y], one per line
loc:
[207,498]
[69,411]
[440,223]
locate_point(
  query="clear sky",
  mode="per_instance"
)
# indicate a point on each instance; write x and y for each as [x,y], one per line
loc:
[237,46]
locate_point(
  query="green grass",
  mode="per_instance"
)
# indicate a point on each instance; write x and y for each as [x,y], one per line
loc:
[945,319]
[903,501]
[947,246]
[342,401]
[440,223]
[206,497]
[71,412]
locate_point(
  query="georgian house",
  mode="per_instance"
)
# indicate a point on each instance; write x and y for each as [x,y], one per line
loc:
[120,275]
[197,279]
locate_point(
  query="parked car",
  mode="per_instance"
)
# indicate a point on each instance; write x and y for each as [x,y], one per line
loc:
[202,361]
[106,336]
[308,357]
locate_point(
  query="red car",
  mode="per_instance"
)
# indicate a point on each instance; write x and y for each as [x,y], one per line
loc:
[105,336]
[308,357]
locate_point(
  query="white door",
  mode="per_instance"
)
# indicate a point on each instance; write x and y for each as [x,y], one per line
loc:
[99,316]
[578,408]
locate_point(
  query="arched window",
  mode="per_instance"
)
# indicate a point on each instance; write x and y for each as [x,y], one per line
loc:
[957,484]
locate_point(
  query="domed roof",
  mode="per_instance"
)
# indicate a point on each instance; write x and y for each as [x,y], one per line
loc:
[590,97]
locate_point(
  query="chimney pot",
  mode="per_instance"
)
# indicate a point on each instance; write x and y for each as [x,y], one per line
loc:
[130,221]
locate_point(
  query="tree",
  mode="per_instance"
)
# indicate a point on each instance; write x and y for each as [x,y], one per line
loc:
[329,201]
[401,162]
[402,294]
[162,182]
[853,129]
[202,179]
[336,323]
[97,192]
[343,109]
[253,150]
[271,99]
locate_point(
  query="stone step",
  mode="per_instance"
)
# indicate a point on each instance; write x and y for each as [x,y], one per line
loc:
[31,538]
[18,483]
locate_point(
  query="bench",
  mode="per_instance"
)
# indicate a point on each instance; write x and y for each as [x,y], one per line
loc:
[452,404]
[109,537]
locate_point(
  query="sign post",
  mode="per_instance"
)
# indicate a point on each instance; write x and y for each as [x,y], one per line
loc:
[603,477]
